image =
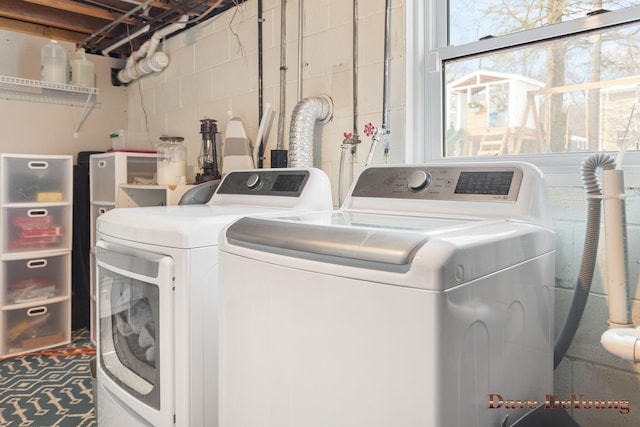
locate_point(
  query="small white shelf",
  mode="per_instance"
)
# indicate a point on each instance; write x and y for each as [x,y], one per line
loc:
[46,89]
[20,89]
[135,195]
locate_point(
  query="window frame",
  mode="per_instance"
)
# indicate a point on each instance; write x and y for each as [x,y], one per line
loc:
[427,49]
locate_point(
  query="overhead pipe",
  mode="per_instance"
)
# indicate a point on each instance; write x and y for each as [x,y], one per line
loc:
[130,37]
[146,60]
[305,115]
[117,21]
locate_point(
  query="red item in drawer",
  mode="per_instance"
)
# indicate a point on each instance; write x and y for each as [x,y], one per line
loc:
[32,220]
[33,243]
[28,232]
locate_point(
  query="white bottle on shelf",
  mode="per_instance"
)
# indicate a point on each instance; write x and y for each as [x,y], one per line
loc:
[53,65]
[82,70]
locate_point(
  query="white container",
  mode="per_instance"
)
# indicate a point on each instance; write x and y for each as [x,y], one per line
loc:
[82,70]
[53,65]
[172,161]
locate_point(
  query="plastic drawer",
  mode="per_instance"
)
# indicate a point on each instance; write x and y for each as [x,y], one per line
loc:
[29,179]
[96,211]
[35,280]
[36,327]
[109,170]
[36,229]
[103,179]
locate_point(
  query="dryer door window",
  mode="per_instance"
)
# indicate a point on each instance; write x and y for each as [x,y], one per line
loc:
[133,290]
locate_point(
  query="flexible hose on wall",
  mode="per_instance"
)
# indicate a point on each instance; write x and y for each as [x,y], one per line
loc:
[587,265]
[303,120]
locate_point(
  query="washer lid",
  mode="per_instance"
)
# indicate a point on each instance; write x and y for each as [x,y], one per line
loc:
[434,253]
[186,227]
[374,241]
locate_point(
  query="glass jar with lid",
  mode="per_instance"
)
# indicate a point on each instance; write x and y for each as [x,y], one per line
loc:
[172,160]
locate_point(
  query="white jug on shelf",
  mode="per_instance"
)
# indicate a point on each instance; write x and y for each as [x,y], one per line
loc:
[82,70]
[53,65]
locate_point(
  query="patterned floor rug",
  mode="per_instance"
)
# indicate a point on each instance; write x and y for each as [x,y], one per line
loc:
[49,388]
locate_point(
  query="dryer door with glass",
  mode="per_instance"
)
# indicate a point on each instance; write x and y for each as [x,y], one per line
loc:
[135,342]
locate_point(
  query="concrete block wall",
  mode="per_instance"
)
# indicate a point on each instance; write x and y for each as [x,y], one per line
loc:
[588,369]
[214,69]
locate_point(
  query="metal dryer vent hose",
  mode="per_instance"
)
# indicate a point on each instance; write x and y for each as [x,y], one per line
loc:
[303,120]
[587,265]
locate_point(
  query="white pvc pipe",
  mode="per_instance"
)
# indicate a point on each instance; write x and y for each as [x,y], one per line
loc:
[117,44]
[164,32]
[615,246]
[157,62]
[622,342]
[146,60]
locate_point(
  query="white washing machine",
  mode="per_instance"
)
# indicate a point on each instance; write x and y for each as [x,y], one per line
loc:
[426,295]
[157,271]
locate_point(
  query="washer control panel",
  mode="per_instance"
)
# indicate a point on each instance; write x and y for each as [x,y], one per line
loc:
[264,182]
[474,182]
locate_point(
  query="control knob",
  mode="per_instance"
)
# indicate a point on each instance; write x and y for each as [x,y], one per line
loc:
[418,180]
[253,180]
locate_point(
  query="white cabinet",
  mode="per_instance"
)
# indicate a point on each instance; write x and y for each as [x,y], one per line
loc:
[135,196]
[106,173]
[35,251]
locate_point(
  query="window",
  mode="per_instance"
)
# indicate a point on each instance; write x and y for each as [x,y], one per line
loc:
[472,20]
[543,84]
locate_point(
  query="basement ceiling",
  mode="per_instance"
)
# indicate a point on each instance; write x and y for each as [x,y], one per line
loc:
[97,25]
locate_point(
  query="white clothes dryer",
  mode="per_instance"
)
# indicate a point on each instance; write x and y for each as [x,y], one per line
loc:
[157,271]
[427,292]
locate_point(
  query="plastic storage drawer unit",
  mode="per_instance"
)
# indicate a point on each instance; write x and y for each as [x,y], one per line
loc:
[35,328]
[35,280]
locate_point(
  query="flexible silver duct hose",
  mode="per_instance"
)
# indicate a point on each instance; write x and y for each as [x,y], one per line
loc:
[303,120]
[587,265]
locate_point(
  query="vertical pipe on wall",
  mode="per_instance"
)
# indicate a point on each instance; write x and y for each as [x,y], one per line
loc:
[355,68]
[283,72]
[385,85]
[259,163]
[300,46]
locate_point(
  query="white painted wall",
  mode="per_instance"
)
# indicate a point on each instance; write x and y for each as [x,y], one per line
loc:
[214,69]
[37,127]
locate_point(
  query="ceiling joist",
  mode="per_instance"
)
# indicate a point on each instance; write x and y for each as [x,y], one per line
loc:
[83,21]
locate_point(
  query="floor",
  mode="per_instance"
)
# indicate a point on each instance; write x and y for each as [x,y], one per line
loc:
[50,388]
